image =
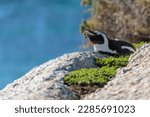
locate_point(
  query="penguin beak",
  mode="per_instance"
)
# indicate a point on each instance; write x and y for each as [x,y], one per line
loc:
[88,33]
[91,36]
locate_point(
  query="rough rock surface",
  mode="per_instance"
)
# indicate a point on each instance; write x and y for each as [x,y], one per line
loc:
[46,81]
[131,82]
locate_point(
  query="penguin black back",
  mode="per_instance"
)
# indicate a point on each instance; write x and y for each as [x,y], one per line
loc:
[122,47]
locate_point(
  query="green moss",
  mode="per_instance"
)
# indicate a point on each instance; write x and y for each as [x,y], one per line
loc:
[113,61]
[98,76]
[137,45]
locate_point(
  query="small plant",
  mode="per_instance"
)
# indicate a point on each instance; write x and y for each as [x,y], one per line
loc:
[137,45]
[96,76]
[86,2]
[112,61]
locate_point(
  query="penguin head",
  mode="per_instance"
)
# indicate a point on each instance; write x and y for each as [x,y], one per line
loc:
[94,36]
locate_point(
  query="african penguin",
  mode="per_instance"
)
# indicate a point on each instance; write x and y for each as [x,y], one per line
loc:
[104,45]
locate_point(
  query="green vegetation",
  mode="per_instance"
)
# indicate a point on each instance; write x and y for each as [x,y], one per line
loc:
[137,45]
[86,2]
[98,76]
[112,61]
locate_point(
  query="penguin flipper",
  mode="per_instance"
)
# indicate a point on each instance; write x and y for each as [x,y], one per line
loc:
[107,53]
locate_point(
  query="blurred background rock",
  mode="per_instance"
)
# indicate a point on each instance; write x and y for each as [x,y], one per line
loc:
[122,19]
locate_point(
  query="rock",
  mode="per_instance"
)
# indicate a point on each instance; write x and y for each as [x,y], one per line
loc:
[131,82]
[45,82]
[126,16]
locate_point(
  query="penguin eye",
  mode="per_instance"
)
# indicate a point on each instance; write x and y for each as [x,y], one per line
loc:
[97,33]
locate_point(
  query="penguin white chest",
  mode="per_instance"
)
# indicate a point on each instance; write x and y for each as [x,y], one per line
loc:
[103,48]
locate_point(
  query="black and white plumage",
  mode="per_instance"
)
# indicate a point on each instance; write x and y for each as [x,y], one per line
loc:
[104,45]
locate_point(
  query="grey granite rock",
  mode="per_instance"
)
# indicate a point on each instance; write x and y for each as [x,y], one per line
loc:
[131,82]
[46,81]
